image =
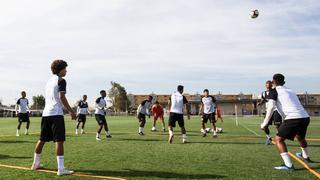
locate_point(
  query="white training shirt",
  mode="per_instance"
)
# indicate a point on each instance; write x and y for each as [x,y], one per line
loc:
[22,105]
[53,106]
[177,102]
[289,104]
[143,108]
[100,106]
[209,105]
[82,107]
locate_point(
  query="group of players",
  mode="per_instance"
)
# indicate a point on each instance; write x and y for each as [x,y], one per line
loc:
[208,112]
[283,106]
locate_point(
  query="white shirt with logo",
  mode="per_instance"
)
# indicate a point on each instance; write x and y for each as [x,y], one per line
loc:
[100,106]
[22,105]
[209,105]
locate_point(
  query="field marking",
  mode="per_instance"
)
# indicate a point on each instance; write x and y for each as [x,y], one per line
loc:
[305,165]
[54,172]
[250,130]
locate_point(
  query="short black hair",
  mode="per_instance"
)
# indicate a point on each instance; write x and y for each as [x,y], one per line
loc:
[157,102]
[150,97]
[58,65]
[206,90]
[279,78]
[102,91]
[180,88]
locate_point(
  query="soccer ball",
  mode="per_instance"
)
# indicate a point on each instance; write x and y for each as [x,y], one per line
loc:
[254,13]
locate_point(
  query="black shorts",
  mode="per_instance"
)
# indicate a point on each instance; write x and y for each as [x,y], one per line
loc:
[23,117]
[101,119]
[211,117]
[53,129]
[82,118]
[141,117]
[292,127]
[276,119]
[176,117]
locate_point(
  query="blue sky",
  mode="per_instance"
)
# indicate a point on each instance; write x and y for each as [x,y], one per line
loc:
[151,46]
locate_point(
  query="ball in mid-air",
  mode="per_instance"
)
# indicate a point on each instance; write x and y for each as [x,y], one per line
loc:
[254,13]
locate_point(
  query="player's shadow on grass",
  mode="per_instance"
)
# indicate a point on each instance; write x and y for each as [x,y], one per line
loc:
[15,142]
[217,142]
[152,174]
[4,156]
[135,139]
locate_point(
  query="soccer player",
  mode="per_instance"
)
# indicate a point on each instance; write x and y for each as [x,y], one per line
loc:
[82,111]
[274,117]
[142,111]
[218,113]
[100,114]
[295,125]
[176,104]
[157,112]
[52,123]
[22,110]
[207,112]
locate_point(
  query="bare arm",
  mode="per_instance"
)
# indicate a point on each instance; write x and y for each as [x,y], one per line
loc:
[270,109]
[188,110]
[201,109]
[66,105]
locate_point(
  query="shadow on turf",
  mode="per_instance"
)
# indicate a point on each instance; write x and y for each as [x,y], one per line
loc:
[3,156]
[150,174]
[14,142]
[134,139]
[217,142]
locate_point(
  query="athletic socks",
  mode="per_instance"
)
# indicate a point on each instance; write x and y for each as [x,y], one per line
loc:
[268,136]
[76,131]
[184,136]
[60,161]
[170,132]
[305,152]
[36,159]
[140,129]
[286,159]
[26,131]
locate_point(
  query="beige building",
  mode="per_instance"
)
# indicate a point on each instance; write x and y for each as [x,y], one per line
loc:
[230,104]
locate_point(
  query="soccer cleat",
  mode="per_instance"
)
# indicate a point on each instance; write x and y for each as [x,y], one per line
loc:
[204,134]
[308,160]
[141,133]
[64,172]
[108,136]
[215,135]
[76,131]
[26,133]
[36,166]
[82,132]
[164,130]
[17,134]
[268,141]
[153,129]
[284,168]
[98,138]
[170,139]
[184,141]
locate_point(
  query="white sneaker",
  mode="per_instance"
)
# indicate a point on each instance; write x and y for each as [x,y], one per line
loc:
[184,141]
[98,138]
[36,166]
[170,139]
[17,134]
[76,131]
[153,129]
[64,172]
